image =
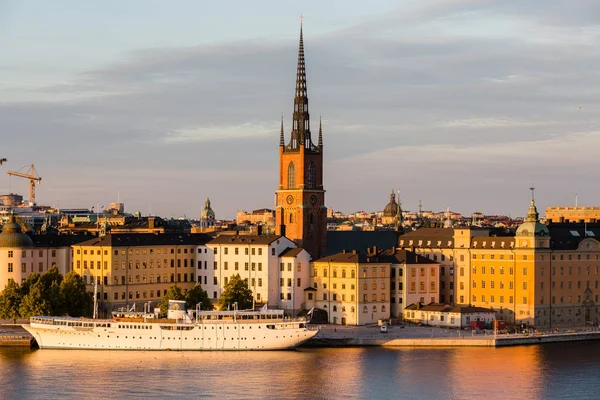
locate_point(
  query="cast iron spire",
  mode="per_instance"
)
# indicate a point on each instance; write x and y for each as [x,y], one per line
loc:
[301,120]
[281,140]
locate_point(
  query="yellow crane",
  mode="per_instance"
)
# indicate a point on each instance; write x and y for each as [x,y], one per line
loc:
[33,179]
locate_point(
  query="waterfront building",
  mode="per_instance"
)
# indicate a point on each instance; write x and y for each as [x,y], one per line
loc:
[542,276]
[301,214]
[275,269]
[444,315]
[137,268]
[352,287]
[413,279]
[22,255]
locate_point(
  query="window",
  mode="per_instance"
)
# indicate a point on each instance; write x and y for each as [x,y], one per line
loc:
[312,176]
[291,176]
[524,285]
[10,266]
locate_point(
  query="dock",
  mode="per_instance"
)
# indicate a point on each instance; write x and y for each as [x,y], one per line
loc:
[427,337]
[13,335]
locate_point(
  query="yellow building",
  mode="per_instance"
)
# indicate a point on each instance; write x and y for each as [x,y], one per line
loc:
[137,268]
[352,287]
[573,214]
[542,276]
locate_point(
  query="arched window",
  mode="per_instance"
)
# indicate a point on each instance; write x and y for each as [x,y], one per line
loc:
[335,273]
[382,308]
[312,176]
[352,309]
[343,273]
[314,272]
[364,273]
[365,310]
[334,308]
[353,274]
[343,308]
[325,273]
[374,308]
[291,176]
[291,218]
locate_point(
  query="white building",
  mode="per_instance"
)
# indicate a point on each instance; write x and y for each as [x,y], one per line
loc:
[444,315]
[21,255]
[274,268]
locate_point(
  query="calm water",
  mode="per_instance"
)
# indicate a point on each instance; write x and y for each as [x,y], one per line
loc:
[553,371]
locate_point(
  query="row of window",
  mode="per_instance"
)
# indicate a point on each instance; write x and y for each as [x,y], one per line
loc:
[334,273]
[24,267]
[11,253]
[236,266]
[493,299]
[247,251]
[138,251]
[493,285]
[166,278]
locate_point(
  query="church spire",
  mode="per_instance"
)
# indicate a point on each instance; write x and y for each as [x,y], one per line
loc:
[301,119]
[281,140]
[532,213]
[320,132]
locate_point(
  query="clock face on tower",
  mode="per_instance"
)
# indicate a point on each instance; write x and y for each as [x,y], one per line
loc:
[313,199]
[290,199]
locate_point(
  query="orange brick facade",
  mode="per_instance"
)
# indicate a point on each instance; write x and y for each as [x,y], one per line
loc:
[301,214]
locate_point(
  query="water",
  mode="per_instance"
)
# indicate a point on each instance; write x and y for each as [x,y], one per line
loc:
[557,371]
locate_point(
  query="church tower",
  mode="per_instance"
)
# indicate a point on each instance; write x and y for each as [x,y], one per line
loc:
[301,214]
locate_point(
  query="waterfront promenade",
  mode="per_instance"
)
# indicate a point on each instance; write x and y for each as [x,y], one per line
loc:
[426,336]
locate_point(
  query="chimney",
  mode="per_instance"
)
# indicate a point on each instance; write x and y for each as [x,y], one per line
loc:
[353,251]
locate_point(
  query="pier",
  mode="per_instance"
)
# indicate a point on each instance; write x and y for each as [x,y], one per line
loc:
[15,336]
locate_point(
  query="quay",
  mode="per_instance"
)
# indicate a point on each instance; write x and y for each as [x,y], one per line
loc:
[15,336]
[365,336]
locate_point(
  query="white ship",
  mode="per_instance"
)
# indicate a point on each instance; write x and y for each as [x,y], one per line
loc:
[181,330]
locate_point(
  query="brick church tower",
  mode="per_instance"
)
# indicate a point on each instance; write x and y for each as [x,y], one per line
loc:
[301,214]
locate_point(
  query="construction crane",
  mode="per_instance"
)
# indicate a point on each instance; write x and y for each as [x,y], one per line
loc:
[33,179]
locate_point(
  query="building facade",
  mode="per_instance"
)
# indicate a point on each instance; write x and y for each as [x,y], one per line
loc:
[130,269]
[301,214]
[272,266]
[542,276]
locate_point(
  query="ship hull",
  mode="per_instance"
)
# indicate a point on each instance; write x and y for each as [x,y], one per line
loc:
[197,337]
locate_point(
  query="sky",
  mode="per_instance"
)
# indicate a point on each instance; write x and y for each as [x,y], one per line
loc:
[458,103]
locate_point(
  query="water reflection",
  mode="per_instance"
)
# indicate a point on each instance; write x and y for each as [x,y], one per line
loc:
[558,371]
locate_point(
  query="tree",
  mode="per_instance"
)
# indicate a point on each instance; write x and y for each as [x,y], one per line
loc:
[10,301]
[174,293]
[31,280]
[197,295]
[236,291]
[34,303]
[76,301]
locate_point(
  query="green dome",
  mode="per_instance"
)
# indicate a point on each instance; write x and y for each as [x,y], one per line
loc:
[532,225]
[13,236]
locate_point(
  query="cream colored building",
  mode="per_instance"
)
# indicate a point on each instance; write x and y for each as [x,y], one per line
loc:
[263,216]
[22,255]
[444,315]
[275,269]
[414,279]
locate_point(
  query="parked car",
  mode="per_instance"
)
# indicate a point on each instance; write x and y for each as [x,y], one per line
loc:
[383,329]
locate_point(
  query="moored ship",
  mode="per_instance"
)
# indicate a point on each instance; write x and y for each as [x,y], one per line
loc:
[181,330]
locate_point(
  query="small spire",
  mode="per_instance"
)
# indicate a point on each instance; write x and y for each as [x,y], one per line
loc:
[320,132]
[281,141]
[532,213]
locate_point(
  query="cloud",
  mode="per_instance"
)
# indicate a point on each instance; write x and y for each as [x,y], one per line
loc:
[482,86]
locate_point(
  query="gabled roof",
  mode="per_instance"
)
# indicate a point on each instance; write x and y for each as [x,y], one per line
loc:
[245,239]
[291,252]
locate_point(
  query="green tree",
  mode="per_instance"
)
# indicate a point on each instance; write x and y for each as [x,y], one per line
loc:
[174,293]
[197,295]
[31,280]
[236,291]
[34,303]
[76,301]
[10,301]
